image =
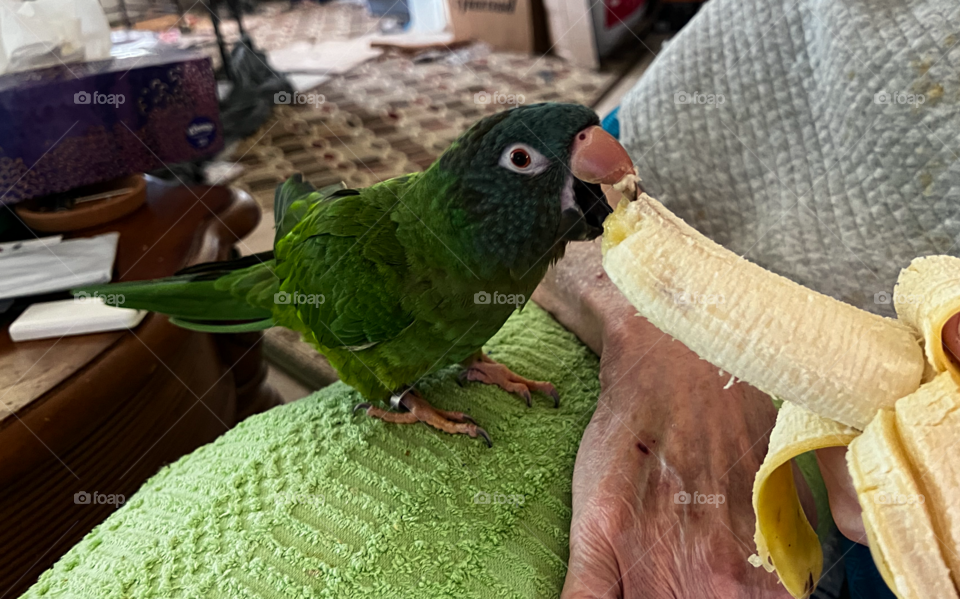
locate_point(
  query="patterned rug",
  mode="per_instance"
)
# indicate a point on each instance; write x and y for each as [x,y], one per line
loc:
[277,24]
[387,117]
[393,116]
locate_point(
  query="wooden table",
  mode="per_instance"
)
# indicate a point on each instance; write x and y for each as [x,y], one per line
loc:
[102,413]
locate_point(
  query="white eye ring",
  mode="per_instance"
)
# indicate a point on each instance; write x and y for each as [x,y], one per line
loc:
[521,158]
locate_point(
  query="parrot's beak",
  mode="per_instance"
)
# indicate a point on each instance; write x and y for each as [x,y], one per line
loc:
[595,158]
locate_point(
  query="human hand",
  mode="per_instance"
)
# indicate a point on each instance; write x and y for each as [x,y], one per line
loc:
[844,505]
[664,427]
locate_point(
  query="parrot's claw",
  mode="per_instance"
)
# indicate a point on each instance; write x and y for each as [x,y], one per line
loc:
[418,410]
[485,436]
[485,370]
[556,397]
[525,394]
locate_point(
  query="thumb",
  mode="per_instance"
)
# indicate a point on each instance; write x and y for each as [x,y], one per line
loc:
[593,571]
[844,504]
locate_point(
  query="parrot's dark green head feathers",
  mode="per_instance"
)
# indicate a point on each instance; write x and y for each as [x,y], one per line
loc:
[523,182]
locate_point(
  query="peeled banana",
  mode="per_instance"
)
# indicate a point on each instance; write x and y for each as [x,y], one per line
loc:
[840,371]
[787,340]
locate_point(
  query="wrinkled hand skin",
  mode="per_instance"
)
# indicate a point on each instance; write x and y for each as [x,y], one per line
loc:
[663,424]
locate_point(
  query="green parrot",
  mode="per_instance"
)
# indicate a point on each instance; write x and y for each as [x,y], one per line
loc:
[403,278]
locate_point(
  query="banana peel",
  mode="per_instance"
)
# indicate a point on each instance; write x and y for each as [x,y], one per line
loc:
[839,370]
[903,536]
[928,425]
[785,540]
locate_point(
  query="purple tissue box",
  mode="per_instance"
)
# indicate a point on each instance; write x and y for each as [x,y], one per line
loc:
[73,125]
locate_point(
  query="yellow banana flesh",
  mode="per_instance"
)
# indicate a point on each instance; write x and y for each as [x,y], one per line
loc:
[787,340]
[840,370]
[926,296]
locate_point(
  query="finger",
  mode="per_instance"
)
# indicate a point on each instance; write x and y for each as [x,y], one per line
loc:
[951,337]
[592,574]
[844,505]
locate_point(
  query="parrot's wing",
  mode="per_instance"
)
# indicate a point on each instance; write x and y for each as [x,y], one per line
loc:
[345,254]
[293,199]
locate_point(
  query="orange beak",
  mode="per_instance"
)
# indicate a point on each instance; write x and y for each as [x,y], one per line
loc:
[597,157]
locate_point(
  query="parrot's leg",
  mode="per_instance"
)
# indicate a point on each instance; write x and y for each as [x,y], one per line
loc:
[485,370]
[419,410]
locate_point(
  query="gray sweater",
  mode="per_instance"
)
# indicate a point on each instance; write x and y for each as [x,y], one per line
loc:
[818,138]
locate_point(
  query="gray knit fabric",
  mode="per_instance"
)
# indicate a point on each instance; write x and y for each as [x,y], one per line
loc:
[802,168]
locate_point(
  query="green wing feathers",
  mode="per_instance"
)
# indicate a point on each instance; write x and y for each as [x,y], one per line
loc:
[346,249]
[337,266]
[293,200]
[219,291]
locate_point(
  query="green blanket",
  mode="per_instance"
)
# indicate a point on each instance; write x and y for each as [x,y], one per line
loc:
[308,500]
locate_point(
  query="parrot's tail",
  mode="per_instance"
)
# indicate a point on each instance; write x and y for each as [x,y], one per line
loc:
[240,291]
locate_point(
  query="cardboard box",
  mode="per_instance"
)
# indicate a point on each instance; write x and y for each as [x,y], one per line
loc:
[73,125]
[507,25]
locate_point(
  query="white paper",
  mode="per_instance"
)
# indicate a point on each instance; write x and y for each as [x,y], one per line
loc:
[329,58]
[302,83]
[72,317]
[44,268]
[11,247]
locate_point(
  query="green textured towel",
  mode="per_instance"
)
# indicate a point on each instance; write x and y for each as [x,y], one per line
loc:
[308,500]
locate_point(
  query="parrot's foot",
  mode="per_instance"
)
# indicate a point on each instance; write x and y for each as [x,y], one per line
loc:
[419,410]
[485,370]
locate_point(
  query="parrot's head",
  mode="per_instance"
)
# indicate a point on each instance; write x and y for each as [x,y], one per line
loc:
[528,179]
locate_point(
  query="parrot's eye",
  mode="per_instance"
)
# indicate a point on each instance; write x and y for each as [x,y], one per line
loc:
[521,158]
